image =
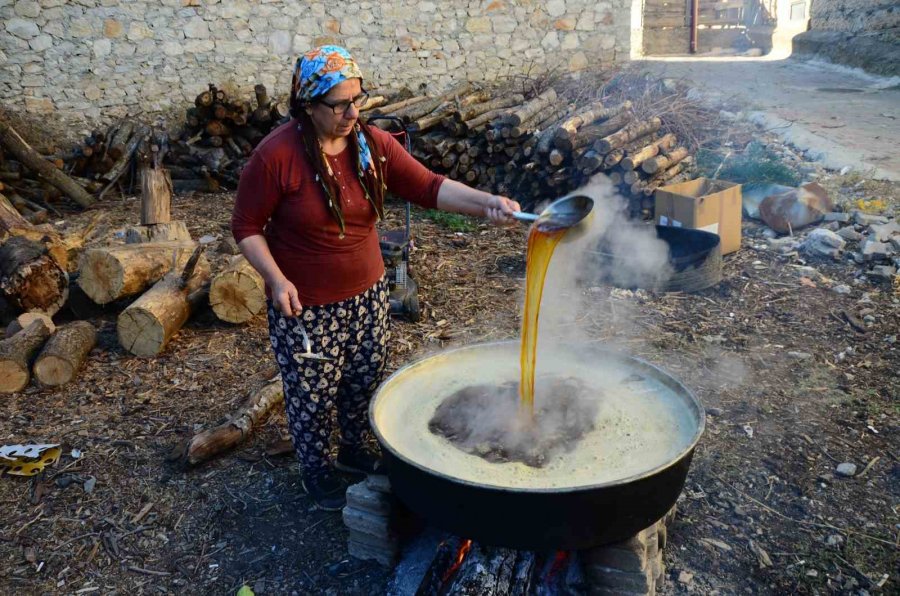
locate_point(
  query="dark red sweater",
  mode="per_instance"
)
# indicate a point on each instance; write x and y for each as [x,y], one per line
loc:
[279,197]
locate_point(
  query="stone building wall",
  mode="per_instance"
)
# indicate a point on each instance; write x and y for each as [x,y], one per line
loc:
[855,16]
[860,33]
[98,59]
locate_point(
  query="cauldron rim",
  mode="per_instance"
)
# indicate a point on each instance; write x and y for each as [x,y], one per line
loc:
[662,376]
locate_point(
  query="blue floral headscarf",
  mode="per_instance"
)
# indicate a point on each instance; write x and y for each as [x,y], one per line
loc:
[317,72]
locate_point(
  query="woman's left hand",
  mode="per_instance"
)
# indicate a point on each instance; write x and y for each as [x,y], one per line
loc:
[500,210]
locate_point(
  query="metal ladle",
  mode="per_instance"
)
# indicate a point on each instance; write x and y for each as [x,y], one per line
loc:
[560,214]
[307,346]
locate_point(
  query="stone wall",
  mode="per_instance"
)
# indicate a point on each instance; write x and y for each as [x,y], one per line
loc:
[860,33]
[855,16]
[98,59]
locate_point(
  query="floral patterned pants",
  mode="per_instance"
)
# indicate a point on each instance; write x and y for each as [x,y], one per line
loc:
[354,334]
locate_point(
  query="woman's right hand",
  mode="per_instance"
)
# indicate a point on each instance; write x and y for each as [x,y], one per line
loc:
[285,298]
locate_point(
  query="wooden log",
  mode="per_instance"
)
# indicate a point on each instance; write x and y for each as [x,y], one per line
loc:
[565,134]
[10,217]
[147,324]
[238,292]
[16,145]
[630,177]
[121,164]
[652,150]
[209,443]
[119,140]
[25,319]
[64,353]
[473,111]
[664,162]
[30,279]
[530,109]
[16,354]
[107,274]
[393,107]
[628,134]
[156,196]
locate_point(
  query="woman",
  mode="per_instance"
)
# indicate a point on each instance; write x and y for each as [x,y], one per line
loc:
[305,218]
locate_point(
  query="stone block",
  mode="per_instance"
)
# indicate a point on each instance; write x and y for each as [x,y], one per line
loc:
[835,216]
[40,43]
[368,523]
[567,24]
[849,233]
[379,483]
[27,8]
[369,553]
[112,28]
[872,250]
[22,29]
[884,232]
[38,105]
[865,219]
[196,28]
[556,8]
[624,582]
[478,25]
[362,497]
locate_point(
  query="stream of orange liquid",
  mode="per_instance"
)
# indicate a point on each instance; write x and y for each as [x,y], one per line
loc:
[541,245]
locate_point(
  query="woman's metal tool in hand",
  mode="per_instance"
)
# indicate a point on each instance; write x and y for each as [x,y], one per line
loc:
[307,346]
[560,214]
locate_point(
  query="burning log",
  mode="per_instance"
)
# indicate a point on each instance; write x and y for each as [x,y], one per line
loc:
[107,274]
[16,145]
[237,428]
[237,294]
[146,325]
[64,353]
[16,354]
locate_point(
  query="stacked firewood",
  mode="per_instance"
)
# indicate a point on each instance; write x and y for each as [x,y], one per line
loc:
[541,147]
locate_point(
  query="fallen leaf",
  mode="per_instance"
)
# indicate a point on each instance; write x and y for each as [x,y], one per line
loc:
[761,555]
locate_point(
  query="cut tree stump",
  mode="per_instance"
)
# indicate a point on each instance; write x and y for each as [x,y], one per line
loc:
[30,279]
[64,353]
[237,293]
[16,354]
[25,319]
[238,427]
[113,272]
[173,231]
[147,324]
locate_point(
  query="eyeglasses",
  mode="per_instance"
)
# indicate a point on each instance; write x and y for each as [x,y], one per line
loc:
[341,107]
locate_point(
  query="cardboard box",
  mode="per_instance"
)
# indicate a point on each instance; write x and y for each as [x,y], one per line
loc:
[703,204]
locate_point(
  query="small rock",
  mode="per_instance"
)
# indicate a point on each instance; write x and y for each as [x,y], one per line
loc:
[848,233]
[715,412]
[823,243]
[872,250]
[865,219]
[895,242]
[847,470]
[891,339]
[845,170]
[834,540]
[89,484]
[841,289]
[685,577]
[883,272]
[799,355]
[885,232]
[869,319]
[769,233]
[837,216]
[833,226]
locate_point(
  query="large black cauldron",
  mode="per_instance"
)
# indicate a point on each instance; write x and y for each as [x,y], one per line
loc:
[566,515]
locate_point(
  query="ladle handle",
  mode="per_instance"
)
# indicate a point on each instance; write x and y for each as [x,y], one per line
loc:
[527,217]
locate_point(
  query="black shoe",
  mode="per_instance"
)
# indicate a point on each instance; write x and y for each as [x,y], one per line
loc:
[327,491]
[359,461]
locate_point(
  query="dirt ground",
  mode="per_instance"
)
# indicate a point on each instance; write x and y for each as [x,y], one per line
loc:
[791,390]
